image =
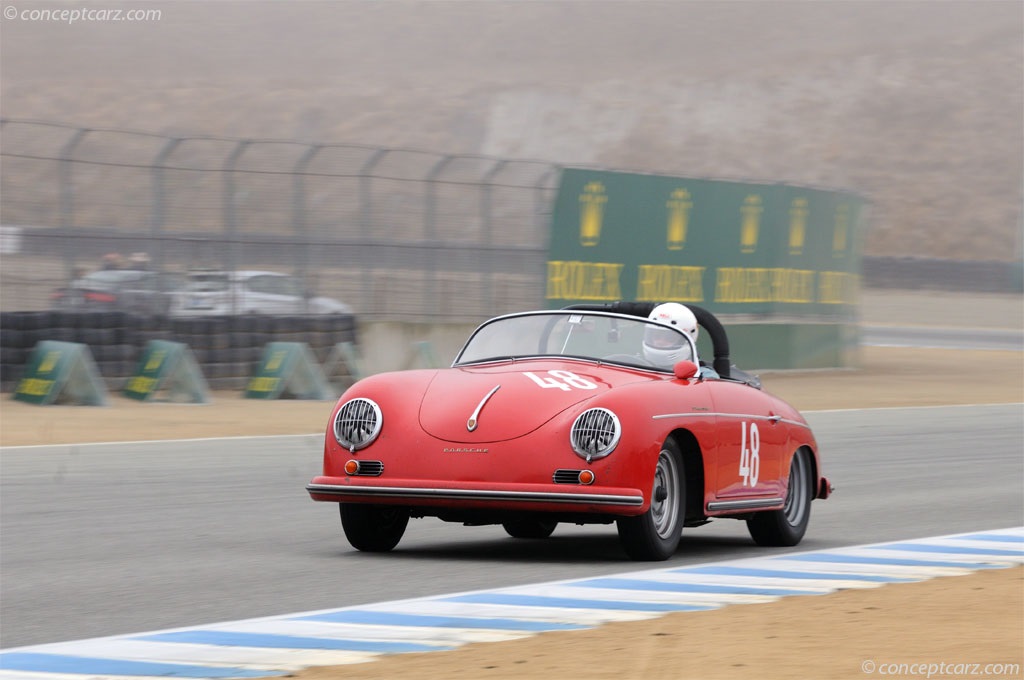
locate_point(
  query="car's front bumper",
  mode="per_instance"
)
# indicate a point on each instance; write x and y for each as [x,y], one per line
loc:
[532,497]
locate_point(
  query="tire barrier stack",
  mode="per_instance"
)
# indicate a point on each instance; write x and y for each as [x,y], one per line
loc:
[227,348]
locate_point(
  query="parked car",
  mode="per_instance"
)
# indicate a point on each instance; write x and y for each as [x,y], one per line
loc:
[556,416]
[129,290]
[217,293]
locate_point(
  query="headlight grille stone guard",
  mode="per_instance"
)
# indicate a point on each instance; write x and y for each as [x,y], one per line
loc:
[358,423]
[595,433]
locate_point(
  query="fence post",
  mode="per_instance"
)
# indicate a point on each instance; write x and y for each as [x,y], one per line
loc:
[299,215]
[430,231]
[65,183]
[366,218]
[487,224]
[156,214]
[230,217]
[539,216]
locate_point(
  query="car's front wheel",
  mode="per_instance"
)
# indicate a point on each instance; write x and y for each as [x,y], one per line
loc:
[373,528]
[530,528]
[655,534]
[786,527]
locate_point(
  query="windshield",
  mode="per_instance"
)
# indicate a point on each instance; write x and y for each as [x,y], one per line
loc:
[612,338]
[207,281]
[110,277]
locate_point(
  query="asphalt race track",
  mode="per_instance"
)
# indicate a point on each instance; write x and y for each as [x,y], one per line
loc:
[946,338]
[110,539]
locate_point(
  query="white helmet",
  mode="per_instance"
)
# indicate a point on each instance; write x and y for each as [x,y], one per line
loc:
[664,348]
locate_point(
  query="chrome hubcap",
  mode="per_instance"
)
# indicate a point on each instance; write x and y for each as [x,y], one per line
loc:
[796,500]
[665,495]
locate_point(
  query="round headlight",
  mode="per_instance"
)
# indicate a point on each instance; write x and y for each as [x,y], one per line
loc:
[595,433]
[357,423]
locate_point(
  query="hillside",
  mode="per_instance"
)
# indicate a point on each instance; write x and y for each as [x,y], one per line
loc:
[918,105]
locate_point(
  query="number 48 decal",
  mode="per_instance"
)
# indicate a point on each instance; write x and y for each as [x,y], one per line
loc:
[563,380]
[750,460]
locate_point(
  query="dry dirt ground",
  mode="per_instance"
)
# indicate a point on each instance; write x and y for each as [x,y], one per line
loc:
[954,620]
[888,377]
[958,621]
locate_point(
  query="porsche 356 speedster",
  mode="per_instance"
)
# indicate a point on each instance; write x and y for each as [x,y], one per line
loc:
[559,416]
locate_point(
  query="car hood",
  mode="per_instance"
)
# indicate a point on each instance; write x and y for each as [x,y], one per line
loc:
[488,404]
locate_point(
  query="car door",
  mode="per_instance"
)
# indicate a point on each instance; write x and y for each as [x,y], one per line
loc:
[168,286]
[134,290]
[263,295]
[751,440]
[292,295]
[688,405]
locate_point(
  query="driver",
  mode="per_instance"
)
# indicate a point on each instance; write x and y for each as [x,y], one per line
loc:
[665,348]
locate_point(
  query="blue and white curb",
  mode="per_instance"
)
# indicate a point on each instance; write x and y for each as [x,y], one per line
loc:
[285,644]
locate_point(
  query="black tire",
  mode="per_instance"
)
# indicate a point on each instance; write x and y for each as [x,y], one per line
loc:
[239,369]
[373,528]
[10,374]
[320,324]
[786,527]
[220,337]
[127,336]
[60,334]
[76,319]
[108,369]
[12,355]
[101,354]
[93,318]
[123,353]
[19,320]
[152,323]
[243,323]
[240,339]
[11,338]
[530,528]
[114,319]
[106,336]
[655,534]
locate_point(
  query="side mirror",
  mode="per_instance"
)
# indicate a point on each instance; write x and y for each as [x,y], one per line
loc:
[684,370]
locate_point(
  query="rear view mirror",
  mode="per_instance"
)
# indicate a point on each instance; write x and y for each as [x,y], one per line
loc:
[684,370]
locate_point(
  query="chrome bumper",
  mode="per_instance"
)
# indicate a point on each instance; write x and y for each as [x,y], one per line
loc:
[491,495]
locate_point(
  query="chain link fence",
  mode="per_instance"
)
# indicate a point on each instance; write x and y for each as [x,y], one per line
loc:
[396,234]
[393,233]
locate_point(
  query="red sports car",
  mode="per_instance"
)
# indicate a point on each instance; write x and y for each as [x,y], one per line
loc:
[565,416]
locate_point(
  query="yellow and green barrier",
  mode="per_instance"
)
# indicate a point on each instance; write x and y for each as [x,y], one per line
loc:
[61,373]
[288,370]
[168,371]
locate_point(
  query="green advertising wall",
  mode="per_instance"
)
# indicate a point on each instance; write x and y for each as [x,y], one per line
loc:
[773,252]
[732,247]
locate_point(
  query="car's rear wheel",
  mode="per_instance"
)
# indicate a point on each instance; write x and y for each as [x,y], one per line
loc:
[530,528]
[373,528]
[786,527]
[655,534]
